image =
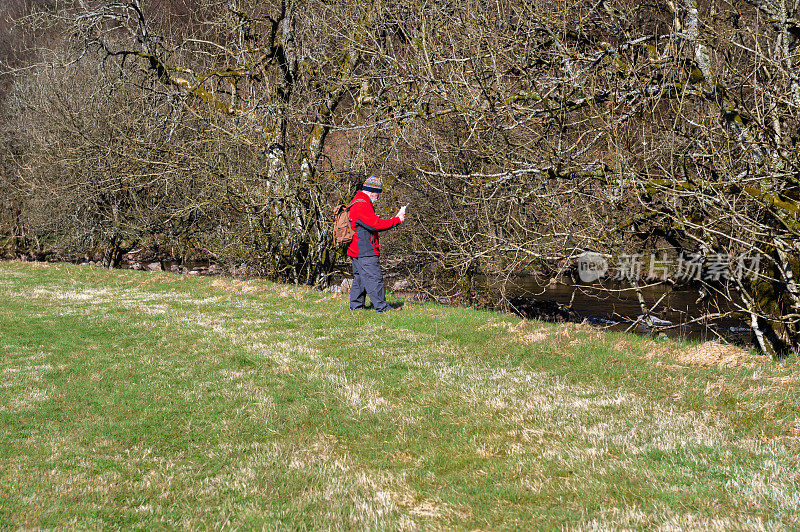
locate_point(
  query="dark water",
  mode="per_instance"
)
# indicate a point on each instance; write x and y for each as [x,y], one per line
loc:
[616,306]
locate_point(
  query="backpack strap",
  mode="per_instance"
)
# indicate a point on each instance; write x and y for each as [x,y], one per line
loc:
[354,202]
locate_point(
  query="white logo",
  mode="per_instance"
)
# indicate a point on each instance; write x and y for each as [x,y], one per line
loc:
[591,266]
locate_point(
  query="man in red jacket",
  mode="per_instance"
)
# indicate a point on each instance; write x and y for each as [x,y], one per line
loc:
[364,250]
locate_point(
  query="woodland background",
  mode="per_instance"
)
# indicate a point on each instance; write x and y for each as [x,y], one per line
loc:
[522,133]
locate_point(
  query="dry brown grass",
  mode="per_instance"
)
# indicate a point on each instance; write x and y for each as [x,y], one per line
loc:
[532,333]
[708,354]
[714,353]
[236,286]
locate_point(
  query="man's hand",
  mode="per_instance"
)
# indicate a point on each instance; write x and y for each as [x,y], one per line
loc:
[402,213]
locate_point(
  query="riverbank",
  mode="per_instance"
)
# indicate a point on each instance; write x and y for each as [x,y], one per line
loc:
[143,399]
[610,306]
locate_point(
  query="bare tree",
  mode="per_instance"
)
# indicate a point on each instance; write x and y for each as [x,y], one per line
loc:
[275,79]
[618,127]
[524,132]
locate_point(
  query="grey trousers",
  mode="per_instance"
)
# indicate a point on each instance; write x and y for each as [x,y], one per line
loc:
[368,281]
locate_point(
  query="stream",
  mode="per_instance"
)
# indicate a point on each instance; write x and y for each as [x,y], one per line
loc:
[615,306]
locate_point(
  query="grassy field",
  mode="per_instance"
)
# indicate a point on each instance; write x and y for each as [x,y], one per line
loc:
[132,399]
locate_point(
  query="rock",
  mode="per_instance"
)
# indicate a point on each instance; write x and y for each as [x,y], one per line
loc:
[345,286]
[135,266]
[154,267]
[194,272]
[239,271]
[401,284]
[599,320]
[658,322]
[544,310]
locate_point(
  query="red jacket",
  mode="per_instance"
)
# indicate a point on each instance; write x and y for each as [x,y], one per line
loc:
[366,224]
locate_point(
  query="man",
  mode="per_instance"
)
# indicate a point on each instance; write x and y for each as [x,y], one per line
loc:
[364,250]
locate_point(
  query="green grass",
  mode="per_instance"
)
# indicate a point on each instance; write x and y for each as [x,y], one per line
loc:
[140,400]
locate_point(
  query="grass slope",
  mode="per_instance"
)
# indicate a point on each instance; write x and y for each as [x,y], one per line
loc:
[131,399]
